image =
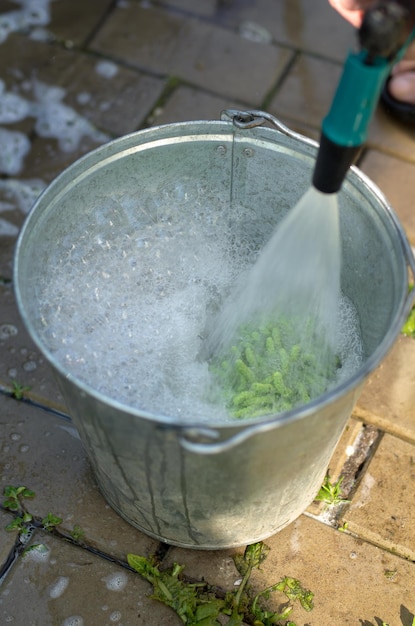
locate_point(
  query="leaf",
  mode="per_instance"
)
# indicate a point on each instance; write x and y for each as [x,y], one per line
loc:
[50,521]
[192,605]
[254,555]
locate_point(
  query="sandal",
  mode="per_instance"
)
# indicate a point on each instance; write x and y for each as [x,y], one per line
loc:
[403,111]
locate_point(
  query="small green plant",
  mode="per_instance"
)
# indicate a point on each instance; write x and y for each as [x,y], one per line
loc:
[331,493]
[197,605]
[18,390]
[269,369]
[14,496]
[24,521]
[409,326]
[50,521]
[77,533]
[21,524]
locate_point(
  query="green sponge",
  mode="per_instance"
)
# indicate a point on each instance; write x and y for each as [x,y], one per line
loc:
[270,369]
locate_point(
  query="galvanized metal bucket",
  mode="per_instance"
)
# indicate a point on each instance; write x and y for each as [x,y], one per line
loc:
[233,483]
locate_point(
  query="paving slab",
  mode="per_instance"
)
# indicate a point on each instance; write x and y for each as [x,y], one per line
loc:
[395,178]
[21,360]
[66,22]
[113,98]
[388,398]
[216,567]
[62,585]
[196,51]
[7,539]
[306,93]
[309,26]
[391,136]
[353,581]
[381,510]
[206,8]
[188,103]
[44,453]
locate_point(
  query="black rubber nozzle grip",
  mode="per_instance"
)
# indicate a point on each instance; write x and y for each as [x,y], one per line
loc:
[332,164]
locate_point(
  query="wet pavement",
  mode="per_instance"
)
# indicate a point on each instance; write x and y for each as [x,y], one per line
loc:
[73,76]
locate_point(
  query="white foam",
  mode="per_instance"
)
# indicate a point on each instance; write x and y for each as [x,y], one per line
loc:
[32,13]
[22,192]
[74,620]
[106,69]
[13,108]
[14,147]
[116,581]
[54,119]
[39,553]
[58,587]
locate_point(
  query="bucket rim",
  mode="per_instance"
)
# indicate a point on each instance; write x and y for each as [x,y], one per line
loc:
[250,425]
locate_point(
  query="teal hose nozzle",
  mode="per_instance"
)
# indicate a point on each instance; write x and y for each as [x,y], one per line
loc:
[345,128]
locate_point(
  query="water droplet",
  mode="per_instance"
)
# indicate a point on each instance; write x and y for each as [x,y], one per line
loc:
[117,581]
[24,448]
[29,366]
[7,330]
[12,372]
[15,436]
[74,620]
[115,616]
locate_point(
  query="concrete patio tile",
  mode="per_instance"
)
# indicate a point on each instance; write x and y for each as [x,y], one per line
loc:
[7,538]
[390,136]
[74,20]
[113,98]
[353,582]
[188,103]
[395,179]
[388,398]
[23,61]
[66,586]
[206,8]
[22,363]
[216,566]
[306,93]
[44,453]
[309,26]
[196,51]
[382,508]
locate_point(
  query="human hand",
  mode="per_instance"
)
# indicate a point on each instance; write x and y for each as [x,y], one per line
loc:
[352,10]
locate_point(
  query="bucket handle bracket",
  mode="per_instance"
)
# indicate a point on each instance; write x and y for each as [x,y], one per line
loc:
[255,117]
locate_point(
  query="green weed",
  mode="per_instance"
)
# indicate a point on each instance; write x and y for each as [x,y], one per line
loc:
[18,390]
[331,493]
[197,605]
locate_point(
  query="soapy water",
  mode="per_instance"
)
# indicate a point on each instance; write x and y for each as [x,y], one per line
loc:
[127,313]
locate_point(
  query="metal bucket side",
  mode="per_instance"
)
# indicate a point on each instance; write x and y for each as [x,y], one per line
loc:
[215,486]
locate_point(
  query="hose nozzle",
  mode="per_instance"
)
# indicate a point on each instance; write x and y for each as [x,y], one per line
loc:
[383,36]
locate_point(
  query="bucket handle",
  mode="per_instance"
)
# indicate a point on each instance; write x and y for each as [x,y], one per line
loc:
[199,440]
[190,440]
[254,118]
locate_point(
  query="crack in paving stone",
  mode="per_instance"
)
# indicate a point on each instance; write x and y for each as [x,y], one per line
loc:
[364,448]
